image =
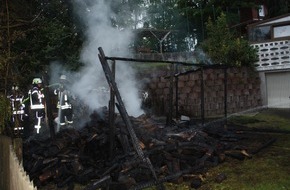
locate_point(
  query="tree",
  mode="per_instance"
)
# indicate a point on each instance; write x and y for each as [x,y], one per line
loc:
[165,15]
[223,47]
[54,36]
[128,13]
[277,8]
[5,112]
[34,33]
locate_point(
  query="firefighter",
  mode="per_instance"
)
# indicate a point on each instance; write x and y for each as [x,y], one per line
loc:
[64,106]
[37,104]
[17,109]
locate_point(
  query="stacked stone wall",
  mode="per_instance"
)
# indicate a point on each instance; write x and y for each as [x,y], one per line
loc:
[243,92]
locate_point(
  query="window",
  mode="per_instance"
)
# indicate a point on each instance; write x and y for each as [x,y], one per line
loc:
[260,33]
[281,31]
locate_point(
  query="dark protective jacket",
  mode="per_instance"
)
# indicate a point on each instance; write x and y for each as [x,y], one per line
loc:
[36,98]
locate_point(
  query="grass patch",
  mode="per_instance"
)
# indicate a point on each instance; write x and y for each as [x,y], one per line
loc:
[244,120]
[268,119]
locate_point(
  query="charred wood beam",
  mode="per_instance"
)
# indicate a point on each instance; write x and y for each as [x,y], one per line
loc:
[206,66]
[123,111]
[170,98]
[64,182]
[202,96]
[215,66]
[120,104]
[48,106]
[234,154]
[112,114]
[225,93]
[152,61]
[176,93]
[207,155]
[265,145]
[124,142]
[167,178]
[99,183]
[179,145]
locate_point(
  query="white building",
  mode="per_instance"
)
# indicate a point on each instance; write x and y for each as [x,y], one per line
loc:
[272,38]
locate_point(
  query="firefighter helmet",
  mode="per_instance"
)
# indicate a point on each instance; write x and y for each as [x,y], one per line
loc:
[14,87]
[36,81]
[62,77]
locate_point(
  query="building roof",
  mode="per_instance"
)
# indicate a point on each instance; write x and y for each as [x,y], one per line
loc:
[278,19]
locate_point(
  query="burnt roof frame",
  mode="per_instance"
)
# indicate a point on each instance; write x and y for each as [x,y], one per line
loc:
[200,66]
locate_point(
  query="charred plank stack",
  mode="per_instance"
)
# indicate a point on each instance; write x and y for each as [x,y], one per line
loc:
[82,156]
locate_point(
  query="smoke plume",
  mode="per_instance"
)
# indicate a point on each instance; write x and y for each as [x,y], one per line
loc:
[91,85]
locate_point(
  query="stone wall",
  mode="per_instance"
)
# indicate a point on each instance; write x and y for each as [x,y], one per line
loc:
[243,92]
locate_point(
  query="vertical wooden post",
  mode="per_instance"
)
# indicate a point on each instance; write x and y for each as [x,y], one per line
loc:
[176,93]
[48,106]
[112,114]
[225,93]
[170,98]
[202,96]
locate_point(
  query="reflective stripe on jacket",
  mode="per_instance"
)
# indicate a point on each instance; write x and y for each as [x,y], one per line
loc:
[36,98]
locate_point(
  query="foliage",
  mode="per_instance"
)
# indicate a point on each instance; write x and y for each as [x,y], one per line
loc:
[223,47]
[34,34]
[188,19]
[127,13]
[278,7]
[165,15]
[5,112]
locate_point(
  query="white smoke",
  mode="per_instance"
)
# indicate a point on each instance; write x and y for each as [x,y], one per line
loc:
[96,15]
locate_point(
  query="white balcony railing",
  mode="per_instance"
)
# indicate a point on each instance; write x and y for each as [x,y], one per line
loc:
[273,55]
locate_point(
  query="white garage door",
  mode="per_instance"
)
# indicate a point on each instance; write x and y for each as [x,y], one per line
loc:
[278,89]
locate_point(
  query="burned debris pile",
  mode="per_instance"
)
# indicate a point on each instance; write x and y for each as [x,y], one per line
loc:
[177,153]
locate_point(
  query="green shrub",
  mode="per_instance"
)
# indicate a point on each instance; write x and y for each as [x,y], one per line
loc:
[5,112]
